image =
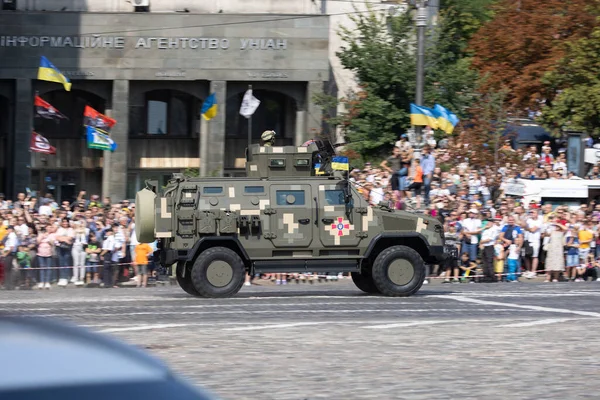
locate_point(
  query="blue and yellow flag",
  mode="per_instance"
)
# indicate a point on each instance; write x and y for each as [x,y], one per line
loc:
[442,115]
[48,72]
[340,163]
[453,119]
[422,116]
[209,107]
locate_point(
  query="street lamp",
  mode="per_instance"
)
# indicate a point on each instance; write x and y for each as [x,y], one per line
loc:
[421,23]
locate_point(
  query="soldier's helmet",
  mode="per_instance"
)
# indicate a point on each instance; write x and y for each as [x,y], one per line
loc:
[267,136]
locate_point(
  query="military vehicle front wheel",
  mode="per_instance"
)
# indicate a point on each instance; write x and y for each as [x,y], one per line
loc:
[364,282]
[398,271]
[218,272]
[185,283]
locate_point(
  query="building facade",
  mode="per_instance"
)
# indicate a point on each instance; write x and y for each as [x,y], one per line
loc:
[151,71]
[150,67]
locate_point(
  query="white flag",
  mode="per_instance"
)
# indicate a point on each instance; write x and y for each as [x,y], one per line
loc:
[249,104]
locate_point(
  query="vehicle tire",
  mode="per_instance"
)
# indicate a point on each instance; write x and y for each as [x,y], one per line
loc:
[398,271]
[218,272]
[185,283]
[364,281]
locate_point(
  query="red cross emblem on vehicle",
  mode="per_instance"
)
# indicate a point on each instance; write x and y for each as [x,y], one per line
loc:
[339,228]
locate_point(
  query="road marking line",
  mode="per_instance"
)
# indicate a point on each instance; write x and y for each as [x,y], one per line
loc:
[535,323]
[275,326]
[405,324]
[142,328]
[246,311]
[521,306]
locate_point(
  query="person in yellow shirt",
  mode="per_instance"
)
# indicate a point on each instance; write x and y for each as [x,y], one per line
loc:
[142,252]
[586,235]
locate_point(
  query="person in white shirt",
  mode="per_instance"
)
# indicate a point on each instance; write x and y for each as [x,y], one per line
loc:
[11,245]
[108,248]
[471,227]
[488,239]
[533,229]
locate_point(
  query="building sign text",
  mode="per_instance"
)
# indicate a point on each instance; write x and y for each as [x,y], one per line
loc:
[161,43]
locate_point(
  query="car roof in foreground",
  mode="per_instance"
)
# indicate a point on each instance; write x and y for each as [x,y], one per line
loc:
[42,356]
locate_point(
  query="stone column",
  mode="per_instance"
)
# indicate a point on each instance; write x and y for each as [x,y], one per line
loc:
[114,171]
[203,146]
[216,130]
[23,126]
[301,134]
[314,113]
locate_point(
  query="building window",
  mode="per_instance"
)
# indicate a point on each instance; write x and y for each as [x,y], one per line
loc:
[169,112]
[157,117]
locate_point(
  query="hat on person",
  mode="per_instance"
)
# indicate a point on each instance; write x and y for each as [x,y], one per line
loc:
[267,135]
[473,211]
[404,136]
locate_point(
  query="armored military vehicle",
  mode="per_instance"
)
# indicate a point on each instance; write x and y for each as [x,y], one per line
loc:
[295,212]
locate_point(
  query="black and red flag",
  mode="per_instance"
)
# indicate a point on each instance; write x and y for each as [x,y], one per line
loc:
[40,144]
[45,110]
[96,120]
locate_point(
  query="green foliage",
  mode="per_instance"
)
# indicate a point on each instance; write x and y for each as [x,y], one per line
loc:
[450,80]
[191,172]
[379,51]
[574,89]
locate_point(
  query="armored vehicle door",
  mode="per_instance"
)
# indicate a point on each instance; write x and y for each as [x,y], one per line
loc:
[291,216]
[339,224]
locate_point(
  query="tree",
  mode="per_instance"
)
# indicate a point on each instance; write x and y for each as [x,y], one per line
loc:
[379,50]
[450,80]
[574,88]
[523,41]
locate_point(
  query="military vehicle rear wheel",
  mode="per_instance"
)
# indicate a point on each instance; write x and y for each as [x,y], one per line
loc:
[364,281]
[185,283]
[398,271]
[218,272]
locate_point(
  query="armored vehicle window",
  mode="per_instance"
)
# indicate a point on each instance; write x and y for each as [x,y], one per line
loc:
[212,190]
[303,162]
[277,162]
[254,189]
[334,197]
[290,197]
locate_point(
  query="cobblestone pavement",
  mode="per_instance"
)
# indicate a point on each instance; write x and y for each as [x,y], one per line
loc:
[330,341]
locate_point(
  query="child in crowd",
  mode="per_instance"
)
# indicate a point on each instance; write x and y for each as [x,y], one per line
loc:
[24,261]
[142,252]
[499,259]
[512,262]
[465,267]
[452,242]
[93,250]
[572,248]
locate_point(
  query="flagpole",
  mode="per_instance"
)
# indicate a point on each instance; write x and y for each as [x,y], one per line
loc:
[250,125]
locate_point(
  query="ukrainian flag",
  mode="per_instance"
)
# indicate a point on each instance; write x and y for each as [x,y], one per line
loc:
[453,120]
[443,116]
[209,107]
[340,164]
[422,116]
[48,72]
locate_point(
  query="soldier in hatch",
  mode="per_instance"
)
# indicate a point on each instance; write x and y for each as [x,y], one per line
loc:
[268,138]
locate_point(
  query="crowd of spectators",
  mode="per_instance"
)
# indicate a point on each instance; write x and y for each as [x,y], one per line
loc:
[87,242]
[492,236]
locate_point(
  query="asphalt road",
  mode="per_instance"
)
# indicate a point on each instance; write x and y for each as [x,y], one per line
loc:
[330,341]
